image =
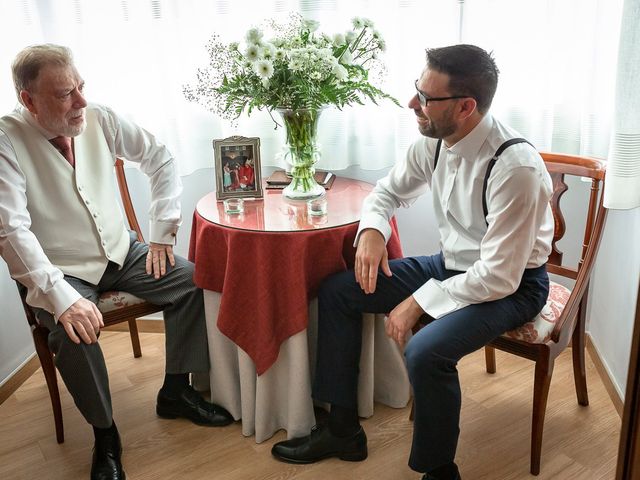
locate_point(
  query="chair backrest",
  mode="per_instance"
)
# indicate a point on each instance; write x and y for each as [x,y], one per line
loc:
[559,166]
[126,199]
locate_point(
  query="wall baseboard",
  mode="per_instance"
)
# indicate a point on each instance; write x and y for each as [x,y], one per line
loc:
[23,373]
[616,398]
[20,376]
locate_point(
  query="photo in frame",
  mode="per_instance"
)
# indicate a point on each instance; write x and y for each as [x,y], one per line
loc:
[237,167]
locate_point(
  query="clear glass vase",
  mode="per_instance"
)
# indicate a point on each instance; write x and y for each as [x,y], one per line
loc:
[301,151]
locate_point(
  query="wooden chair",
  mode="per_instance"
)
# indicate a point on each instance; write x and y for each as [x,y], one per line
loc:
[116,307]
[562,320]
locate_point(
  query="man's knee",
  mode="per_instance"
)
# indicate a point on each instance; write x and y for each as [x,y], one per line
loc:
[335,288]
[425,356]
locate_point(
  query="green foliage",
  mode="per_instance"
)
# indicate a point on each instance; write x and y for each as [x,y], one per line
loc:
[297,68]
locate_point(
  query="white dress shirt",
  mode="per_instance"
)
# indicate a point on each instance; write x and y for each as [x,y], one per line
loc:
[19,246]
[520,221]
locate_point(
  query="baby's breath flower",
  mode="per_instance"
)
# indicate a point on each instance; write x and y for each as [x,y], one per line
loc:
[296,68]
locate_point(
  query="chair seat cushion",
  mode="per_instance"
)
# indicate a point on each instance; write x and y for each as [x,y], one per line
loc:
[115,300]
[540,328]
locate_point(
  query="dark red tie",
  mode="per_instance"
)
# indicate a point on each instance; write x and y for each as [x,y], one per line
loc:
[63,144]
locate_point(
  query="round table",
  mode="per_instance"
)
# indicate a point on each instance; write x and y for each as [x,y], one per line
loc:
[260,272]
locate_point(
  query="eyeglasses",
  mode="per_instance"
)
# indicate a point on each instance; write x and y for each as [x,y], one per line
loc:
[424,99]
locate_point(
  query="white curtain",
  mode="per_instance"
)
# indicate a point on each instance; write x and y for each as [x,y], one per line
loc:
[557,61]
[623,170]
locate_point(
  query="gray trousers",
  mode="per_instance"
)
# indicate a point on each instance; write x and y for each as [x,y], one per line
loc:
[82,366]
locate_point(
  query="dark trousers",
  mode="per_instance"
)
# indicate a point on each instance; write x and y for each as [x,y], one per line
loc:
[82,367]
[431,355]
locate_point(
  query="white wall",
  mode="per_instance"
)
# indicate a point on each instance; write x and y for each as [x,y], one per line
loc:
[612,304]
[614,289]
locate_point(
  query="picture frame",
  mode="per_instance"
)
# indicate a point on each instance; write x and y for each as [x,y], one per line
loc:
[237,167]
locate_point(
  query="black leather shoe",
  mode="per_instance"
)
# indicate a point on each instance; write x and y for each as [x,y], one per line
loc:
[190,404]
[450,472]
[106,458]
[322,444]
[431,477]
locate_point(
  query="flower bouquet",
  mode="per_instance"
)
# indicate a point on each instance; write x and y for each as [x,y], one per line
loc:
[297,72]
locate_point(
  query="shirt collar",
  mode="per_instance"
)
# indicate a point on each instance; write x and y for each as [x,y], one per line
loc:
[31,120]
[469,146]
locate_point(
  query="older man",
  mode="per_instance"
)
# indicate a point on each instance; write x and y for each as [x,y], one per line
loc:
[64,239]
[491,196]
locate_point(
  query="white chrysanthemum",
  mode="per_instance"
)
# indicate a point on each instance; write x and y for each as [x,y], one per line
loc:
[346,58]
[357,23]
[315,75]
[339,72]
[382,45]
[254,36]
[253,53]
[233,46]
[338,39]
[311,25]
[263,68]
[295,65]
[268,51]
[367,22]
[280,54]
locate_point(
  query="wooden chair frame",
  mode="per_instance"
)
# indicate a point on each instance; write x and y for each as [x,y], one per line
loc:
[127,314]
[570,327]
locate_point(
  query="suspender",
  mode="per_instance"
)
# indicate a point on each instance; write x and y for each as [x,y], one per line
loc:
[492,162]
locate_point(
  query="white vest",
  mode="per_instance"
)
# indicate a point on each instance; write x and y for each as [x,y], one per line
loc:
[74,212]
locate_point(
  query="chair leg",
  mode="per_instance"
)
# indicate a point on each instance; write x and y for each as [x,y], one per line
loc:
[135,338]
[48,368]
[490,358]
[544,370]
[577,352]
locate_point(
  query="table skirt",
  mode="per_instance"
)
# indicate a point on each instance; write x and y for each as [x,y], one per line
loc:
[280,398]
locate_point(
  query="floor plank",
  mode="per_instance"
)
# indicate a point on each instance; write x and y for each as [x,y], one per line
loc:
[579,442]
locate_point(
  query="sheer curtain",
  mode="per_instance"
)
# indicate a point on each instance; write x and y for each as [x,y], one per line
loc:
[557,61]
[623,170]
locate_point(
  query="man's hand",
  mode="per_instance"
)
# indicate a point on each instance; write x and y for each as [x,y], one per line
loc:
[370,255]
[402,319]
[84,318]
[157,259]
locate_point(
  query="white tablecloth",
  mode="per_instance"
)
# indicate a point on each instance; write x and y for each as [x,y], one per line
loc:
[281,397]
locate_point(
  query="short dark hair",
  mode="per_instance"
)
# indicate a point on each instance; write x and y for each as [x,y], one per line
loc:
[471,70]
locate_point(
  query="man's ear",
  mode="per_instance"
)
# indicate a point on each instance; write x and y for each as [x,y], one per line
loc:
[27,101]
[468,105]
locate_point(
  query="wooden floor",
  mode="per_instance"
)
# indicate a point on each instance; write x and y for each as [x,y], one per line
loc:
[579,443]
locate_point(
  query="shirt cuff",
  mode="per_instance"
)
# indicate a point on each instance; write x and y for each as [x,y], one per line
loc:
[61,297]
[435,300]
[375,222]
[164,233]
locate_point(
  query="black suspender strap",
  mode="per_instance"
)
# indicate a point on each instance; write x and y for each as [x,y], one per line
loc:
[435,159]
[492,162]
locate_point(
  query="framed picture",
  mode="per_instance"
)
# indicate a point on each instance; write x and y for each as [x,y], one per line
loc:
[237,167]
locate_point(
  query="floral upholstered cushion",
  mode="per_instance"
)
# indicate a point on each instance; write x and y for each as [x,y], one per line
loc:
[114,300]
[540,328]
